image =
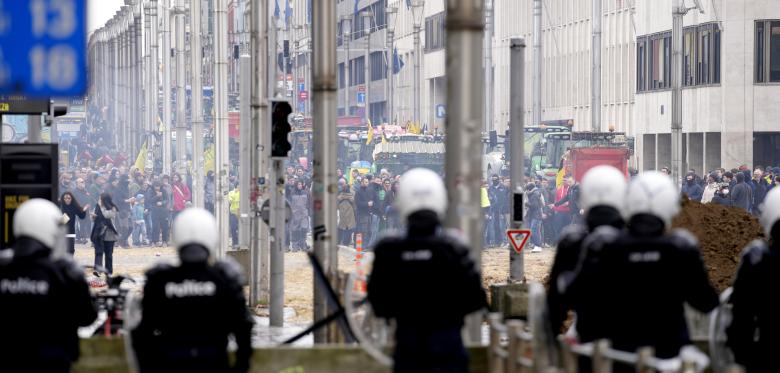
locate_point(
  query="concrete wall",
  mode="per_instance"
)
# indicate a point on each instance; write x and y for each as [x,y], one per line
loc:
[566,41]
[737,106]
[99,355]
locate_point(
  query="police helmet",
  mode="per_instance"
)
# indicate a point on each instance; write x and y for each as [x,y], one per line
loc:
[771,212]
[421,189]
[195,226]
[653,193]
[40,220]
[603,186]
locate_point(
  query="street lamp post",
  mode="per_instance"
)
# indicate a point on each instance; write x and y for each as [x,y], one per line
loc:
[346,32]
[417,14]
[390,14]
[366,14]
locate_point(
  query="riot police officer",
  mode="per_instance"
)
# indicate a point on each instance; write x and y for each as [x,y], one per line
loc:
[425,280]
[44,297]
[634,283]
[190,310]
[755,328]
[602,196]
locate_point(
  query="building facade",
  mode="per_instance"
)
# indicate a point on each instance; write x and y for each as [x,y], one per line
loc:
[731,84]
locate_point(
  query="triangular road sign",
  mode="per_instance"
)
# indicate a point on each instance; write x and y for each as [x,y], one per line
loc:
[518,238]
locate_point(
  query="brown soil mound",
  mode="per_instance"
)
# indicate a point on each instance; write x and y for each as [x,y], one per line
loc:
[722,232]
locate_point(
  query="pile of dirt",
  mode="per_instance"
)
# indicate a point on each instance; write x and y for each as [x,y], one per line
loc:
[722,232]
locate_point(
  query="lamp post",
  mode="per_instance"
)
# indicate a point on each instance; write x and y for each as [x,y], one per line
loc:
[417,15]
[346,32]
[390,14]
[366,14]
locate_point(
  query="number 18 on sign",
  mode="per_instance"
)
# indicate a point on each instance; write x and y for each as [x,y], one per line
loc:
[43,47]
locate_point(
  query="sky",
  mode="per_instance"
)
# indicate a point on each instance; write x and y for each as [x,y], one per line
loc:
[100,11]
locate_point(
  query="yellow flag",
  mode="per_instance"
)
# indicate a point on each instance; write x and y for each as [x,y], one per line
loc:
[140,160]
[370,133]
[160,125]
[208,158]
[384,140]
[559,177]
[414,128]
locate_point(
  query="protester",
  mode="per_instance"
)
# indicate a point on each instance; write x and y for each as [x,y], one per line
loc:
[71,207]
[104,232]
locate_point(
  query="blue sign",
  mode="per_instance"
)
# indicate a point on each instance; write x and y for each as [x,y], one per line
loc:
[361,98]
[43,47]
[301,87]
[440,111]
[301,107]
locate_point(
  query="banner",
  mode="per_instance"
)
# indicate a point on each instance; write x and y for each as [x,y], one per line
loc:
[208,158]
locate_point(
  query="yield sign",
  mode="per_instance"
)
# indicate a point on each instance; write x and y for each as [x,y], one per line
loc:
[518,238]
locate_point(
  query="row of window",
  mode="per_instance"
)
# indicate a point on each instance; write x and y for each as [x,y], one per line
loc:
[767,51]
[357,24]
[435,32]
[701,58]
[378,69]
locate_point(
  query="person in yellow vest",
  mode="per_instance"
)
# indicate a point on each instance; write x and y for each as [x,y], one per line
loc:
[234,198]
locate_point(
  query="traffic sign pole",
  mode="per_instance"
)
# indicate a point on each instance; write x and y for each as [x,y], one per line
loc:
[517,133]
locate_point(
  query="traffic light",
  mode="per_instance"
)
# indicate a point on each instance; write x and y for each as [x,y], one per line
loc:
[280,128]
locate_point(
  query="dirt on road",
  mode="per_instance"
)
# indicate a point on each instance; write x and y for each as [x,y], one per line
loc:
[723,233]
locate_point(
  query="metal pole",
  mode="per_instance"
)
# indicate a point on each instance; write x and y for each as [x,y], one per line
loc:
[489,125]
[245,142]
[148,74]
[259,254]
[347,65]
[167,121]
[221,162]
[116,80]
[196,83]
[417,52]
[34,129]
[367,63]
[154,66]
[517,141]
[325,90]
[678,11]
[536,95]
[181,101]
[463,162]
[595,97]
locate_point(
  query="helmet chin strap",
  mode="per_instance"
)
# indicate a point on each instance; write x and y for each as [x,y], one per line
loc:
[193,254]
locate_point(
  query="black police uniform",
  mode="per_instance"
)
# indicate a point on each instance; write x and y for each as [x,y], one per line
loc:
[631,286]
[427,282]
[567,257]
[43,301]
[755,327]
[188,313]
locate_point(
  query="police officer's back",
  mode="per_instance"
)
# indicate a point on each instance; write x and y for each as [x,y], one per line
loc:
[635,283]
[43,299]
[190,310]
[425,280]
[602,198]
[755,328]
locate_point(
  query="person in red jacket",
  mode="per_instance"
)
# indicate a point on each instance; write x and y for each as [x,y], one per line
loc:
[562,214]
[181,195]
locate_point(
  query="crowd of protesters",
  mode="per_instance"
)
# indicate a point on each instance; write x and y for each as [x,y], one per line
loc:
[738,187]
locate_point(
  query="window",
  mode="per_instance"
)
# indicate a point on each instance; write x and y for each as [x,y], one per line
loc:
[767,51]
[358,68]
[760,53]
[641,63]
[434,32]
[701,58]
[378,66]
[659,60]
[341,75]
[689,56]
